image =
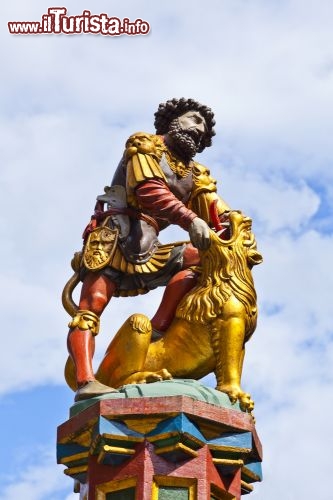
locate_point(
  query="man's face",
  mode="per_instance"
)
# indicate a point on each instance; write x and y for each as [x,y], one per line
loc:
[99,247]
[193,120]
[187,133]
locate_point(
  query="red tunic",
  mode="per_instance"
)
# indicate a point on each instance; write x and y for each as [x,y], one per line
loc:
[156,200]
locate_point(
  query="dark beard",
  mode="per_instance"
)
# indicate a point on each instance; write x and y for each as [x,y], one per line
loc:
[185,143]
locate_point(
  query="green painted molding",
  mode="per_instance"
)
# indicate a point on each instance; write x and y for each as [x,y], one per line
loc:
[167,388]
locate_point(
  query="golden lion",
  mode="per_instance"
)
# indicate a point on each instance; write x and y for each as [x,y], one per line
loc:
[212,324]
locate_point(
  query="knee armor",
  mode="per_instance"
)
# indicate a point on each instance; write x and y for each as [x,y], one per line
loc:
[85,320]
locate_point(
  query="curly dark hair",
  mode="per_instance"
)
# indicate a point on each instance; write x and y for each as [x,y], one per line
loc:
[174,108]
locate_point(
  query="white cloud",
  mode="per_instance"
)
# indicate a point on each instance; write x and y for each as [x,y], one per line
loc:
[296,432]
[273,202]
[263,67]
[288,364]
[39,481]
[297,275]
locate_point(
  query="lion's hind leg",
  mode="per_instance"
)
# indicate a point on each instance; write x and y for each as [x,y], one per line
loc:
[126,354]
[125,360]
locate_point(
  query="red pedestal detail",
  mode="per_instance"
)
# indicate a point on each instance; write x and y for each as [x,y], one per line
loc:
[147,448]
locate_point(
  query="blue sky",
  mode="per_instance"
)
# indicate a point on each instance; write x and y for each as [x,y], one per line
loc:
[68,104]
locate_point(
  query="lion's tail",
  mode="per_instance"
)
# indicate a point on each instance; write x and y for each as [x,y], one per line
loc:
[71,307]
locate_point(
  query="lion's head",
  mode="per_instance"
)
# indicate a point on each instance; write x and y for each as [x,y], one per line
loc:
[225,271]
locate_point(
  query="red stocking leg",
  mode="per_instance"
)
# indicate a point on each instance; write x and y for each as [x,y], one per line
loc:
[96,293]
[175,290]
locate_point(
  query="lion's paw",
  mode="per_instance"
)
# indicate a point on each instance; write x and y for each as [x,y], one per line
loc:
[158,376]
[245,402]
[235,394]
[148,377]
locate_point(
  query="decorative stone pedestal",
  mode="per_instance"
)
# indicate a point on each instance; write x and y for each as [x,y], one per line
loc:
[170,440]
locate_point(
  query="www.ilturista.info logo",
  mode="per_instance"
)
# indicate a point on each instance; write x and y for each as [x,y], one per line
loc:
[56,22]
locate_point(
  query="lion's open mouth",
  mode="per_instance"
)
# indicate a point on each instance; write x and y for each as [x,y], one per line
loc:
[226,232]
[231,223]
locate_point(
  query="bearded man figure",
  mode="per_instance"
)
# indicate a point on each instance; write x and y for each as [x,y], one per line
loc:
[155,184]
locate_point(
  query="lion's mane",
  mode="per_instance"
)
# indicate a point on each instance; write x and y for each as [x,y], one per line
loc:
[225,272]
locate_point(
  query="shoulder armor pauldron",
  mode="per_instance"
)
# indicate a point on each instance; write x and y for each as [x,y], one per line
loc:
[143,143]
[142,156]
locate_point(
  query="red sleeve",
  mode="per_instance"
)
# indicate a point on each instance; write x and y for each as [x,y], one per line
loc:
[155,197]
